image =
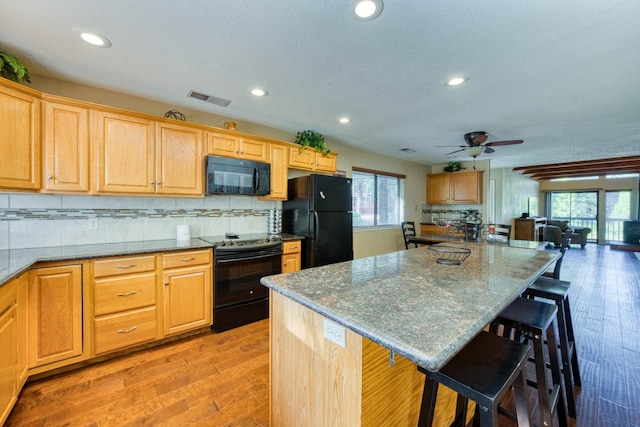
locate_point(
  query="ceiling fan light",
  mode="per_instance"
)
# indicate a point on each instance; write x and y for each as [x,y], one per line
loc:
[474,151]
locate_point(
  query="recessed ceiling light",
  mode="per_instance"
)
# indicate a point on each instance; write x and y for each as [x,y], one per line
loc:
[367,9]
[93,38]
[259,92]
[344,119]
[456,81]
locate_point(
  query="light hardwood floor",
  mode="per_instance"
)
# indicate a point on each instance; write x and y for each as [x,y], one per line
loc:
[222,379]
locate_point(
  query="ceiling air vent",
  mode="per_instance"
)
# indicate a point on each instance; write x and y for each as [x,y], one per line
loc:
[208,98]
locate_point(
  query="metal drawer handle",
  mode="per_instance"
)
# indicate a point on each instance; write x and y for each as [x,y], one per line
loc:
[126,294]
[126,266]
[187,259]
[125,331]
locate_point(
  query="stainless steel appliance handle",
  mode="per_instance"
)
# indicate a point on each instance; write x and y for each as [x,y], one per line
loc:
[236,258]
[256,179]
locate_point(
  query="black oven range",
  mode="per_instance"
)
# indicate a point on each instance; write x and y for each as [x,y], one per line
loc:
[239,263]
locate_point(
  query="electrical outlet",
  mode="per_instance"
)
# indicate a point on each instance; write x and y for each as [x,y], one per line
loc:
[93,223]
[334,333]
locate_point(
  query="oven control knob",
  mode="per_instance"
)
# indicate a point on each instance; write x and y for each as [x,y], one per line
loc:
[230,243]
[250,292]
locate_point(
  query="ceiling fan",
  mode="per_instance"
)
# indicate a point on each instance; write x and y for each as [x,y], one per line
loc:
[476,146]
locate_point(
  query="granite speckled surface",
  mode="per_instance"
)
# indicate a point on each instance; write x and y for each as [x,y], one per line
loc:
[406,302]
[13,262]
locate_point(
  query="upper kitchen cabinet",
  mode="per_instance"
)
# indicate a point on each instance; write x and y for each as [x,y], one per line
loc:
[19,137]
[227,145]
[278,160]
[454,188]
[180,160]
[309,159]
[65,146]
[135,155]
[125,153]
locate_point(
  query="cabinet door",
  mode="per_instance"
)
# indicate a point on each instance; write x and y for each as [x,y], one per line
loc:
[255,150]
[23,333]
[180,160]
[219,144]
[19,139]
[66,148]
[278,161]
[438,189]
[466,187]
[55,314]
[8,355]
[325,163]
[301,159]
[187,302]
[125,150]
[290,262]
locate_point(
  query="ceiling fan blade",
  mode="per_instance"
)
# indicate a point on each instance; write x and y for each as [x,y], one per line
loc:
[453,152]
[459,146]
[510,142]
[488,150]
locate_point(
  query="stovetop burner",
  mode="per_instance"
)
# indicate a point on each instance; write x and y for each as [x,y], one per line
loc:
[233,240]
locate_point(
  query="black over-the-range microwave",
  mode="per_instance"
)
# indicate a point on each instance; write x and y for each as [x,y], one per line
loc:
[234,176]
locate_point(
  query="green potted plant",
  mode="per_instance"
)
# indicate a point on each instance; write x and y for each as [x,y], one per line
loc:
[13,69]
[453,167]
[311,138]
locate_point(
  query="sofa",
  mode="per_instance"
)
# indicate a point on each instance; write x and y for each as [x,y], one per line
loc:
[553,232]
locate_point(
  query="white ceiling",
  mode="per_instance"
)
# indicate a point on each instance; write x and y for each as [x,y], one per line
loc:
[562,76]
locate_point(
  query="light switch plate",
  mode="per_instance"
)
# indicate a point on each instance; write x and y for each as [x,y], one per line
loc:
[334,333]
[93,223]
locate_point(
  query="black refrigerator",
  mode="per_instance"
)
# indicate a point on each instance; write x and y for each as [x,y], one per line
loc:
[319,208]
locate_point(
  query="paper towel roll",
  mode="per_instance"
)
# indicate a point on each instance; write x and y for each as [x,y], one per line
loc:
[183,232]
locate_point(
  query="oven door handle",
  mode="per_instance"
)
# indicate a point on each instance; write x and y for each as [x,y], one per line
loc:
[241,258]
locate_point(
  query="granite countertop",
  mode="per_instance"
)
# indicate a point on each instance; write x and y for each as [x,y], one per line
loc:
[406,302]
[13,262]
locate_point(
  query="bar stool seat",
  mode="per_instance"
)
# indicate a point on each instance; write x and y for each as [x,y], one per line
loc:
[558,292]
[535,320]
[482,371]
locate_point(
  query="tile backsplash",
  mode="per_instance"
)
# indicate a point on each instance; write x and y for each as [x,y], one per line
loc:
[36,220]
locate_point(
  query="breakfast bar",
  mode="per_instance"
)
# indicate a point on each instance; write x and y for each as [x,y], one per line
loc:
[346,338]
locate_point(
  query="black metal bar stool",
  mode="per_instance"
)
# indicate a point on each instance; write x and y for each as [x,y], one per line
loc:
[558,292]
[482,371]
[535,320]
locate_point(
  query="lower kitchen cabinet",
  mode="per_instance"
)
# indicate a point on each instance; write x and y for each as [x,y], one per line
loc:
[22,312]
[291,256]
[124,302]
[55,315]
[187,291]
[9,352]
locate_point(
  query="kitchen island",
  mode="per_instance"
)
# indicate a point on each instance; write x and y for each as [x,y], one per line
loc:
[346,338]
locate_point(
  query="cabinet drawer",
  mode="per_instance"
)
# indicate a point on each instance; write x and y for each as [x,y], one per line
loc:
[127,265]
[124,293]
[8,295]
[291,247]
[186,259]
[124,329]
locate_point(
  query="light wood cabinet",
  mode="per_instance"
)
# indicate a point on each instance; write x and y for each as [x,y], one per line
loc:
[309,159]
[454,188]
[22,313]
[180,160]
[19,137]
[529,228]
[278,162]
[55,315]
[187,291]
[8,352]
[138,156]
[125,151]
[65,147]
[228,145]
[124,302]
[291,256]
[430,229]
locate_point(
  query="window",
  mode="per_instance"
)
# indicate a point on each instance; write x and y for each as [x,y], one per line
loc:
[378,198]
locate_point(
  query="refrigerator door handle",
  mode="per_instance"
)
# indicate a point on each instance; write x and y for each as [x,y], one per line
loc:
[315,226]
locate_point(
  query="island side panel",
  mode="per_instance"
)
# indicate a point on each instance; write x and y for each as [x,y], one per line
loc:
[314,382]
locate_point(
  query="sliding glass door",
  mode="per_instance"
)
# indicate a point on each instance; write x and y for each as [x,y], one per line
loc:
[580,208]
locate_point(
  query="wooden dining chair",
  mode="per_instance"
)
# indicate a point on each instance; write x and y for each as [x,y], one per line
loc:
[408,230]
[503,231]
